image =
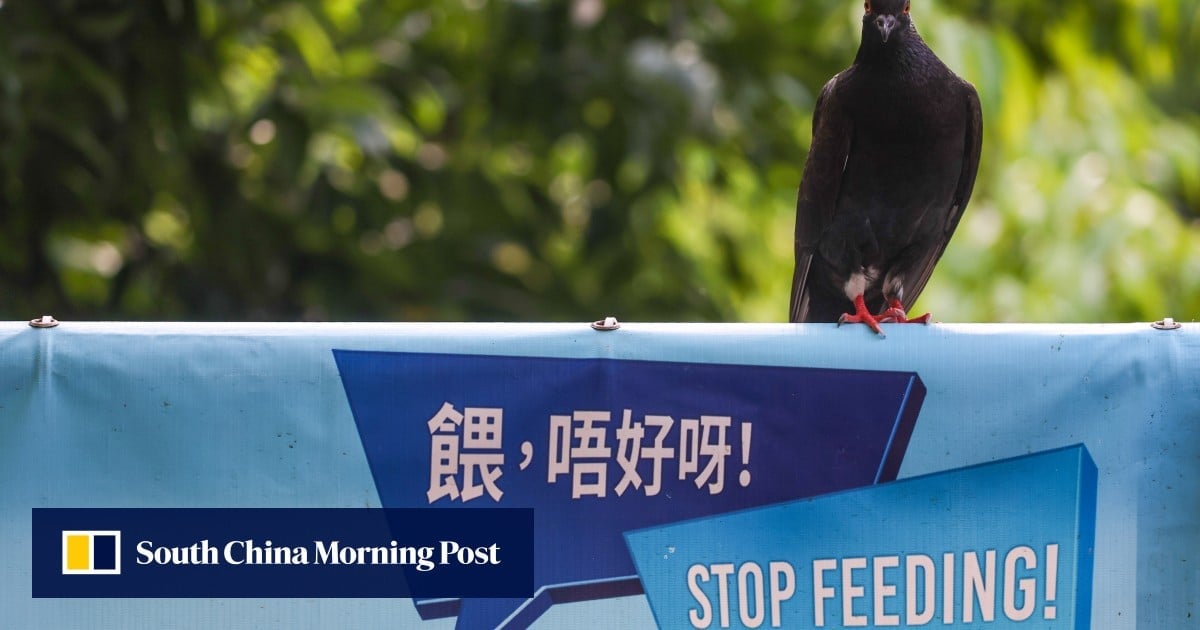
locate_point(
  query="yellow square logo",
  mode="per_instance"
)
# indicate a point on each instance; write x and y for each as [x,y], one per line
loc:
[91,552]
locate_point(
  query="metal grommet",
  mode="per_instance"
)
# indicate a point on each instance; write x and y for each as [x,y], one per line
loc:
[45,321]
[608,323]
[1167,323]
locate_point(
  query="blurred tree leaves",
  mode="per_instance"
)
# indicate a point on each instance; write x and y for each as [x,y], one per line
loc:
[561,159]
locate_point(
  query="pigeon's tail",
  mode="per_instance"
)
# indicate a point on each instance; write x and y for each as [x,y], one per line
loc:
[811,304]
[828,310]
[821,308]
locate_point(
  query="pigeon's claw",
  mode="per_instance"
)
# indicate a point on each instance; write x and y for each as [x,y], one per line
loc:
[895,314]
[924,319]
[861,316]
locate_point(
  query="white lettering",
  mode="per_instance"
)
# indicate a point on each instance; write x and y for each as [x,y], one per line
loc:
[744,573]
[1027,588]
[884,590]
[145,552]
[911,616]
[230,546]
[722,572]
[850,592]
[699,573]
[820,591]
[979,586]
[197,553]
[779,592]
[469,555]
[334,553]
[752,592]
[947,588]
[968,595]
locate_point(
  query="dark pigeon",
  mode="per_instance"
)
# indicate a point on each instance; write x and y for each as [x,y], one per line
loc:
[896,142]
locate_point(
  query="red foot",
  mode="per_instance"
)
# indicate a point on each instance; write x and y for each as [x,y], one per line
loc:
[895,314]
[861,316]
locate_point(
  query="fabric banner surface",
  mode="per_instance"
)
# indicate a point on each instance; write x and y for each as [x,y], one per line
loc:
[679,475]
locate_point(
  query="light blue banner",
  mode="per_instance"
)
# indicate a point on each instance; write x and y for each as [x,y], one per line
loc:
[256,415]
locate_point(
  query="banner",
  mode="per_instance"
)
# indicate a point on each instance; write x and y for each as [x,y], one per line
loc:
[706,476]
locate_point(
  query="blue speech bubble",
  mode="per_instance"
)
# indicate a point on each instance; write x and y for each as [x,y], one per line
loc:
[600,446]
[1006,545]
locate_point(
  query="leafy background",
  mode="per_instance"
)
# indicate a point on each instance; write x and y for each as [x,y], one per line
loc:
[562,160]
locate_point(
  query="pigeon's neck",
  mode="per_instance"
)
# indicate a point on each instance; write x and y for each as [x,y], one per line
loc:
[903,55]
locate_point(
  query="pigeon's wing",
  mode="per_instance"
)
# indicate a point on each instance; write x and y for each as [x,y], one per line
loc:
[915,281]
[820,185]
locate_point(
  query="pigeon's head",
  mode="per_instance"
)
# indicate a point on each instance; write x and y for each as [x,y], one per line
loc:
[886,20]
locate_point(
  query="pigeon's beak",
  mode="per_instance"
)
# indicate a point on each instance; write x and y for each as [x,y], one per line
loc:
[886,24]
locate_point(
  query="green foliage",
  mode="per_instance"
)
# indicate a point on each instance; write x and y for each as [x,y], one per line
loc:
[562,160]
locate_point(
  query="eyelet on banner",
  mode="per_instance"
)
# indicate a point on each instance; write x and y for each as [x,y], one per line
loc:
[45,321]
[1167,323]
[608,323]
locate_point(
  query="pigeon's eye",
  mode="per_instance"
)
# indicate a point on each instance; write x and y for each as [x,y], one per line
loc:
[867,6]
[906,8]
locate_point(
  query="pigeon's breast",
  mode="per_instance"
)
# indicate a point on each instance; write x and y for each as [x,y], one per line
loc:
[903,167]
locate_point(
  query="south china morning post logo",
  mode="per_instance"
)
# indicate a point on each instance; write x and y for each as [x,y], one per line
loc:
[275,552]
[320,552]
[91,552]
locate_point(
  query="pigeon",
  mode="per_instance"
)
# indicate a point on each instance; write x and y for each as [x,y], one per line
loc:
[896,144]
